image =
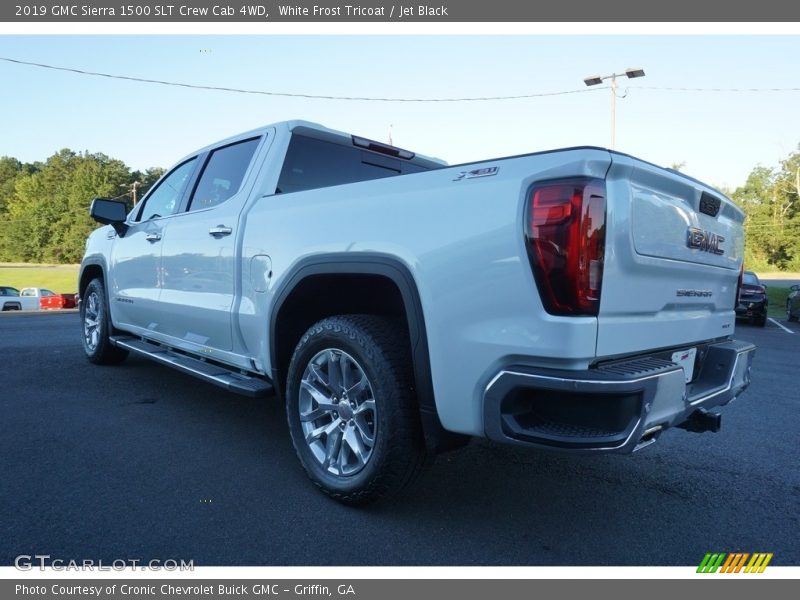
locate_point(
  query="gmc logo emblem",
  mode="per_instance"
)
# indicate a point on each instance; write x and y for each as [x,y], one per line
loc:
[700,239]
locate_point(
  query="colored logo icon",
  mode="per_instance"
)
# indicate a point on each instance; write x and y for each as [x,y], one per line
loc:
[734,562]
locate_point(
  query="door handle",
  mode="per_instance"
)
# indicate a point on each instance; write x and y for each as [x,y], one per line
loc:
[153,237]
[220,230]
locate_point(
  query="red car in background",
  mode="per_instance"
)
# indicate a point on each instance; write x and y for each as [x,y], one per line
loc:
[48,299]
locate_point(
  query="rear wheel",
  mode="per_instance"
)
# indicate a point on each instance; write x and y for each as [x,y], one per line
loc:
[761,321]
[352,410]
[97,326]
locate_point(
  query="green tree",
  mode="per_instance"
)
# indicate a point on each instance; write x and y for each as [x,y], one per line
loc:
[772,225]
[787,184]
[146,179]
[9,169]
[92,175]
[46,217]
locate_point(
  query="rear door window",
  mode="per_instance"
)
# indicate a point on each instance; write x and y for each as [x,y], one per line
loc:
[223,174]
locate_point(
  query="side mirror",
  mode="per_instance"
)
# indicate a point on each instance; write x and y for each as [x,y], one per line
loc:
[795,288]
[109,212]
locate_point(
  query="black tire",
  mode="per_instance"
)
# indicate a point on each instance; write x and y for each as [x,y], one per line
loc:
[383,410]
[761,321]
[96,326]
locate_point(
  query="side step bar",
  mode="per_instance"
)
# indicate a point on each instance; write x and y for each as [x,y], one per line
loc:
[230,379]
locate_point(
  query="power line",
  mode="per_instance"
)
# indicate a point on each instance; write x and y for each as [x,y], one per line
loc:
[732,90]
[288,94]
[380,99]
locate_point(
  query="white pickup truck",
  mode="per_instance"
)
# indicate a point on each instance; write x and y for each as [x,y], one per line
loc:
[579,300]
[11,299]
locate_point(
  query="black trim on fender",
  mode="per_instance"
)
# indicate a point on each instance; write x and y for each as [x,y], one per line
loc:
[383,266]
[92,261]
[96,260]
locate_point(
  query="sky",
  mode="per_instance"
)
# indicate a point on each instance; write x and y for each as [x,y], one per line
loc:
[718,136]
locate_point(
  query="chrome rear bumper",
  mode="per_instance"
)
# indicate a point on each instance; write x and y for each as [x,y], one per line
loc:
[617,408]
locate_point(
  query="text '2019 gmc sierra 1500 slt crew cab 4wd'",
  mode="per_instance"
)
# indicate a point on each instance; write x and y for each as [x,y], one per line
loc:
[580,299]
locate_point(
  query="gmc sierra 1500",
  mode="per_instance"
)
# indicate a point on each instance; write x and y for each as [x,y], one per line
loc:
[579,299]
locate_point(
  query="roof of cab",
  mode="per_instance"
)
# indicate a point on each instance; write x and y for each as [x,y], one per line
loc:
[310,129]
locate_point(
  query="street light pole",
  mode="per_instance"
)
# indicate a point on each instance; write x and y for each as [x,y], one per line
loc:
[598,79]
[613,112]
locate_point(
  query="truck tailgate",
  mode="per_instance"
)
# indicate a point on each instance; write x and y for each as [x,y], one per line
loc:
[673,253]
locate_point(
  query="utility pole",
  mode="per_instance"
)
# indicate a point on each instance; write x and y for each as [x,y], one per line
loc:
[598,79]
[613,119]
[132,189]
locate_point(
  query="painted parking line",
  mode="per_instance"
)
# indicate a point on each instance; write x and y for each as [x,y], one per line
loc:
[786,329]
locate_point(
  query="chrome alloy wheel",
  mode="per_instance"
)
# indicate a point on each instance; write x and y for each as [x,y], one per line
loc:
[91,321]
[337,412]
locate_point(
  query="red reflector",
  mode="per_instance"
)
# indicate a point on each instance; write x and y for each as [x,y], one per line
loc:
[552,215]
[552,206]
[565,230]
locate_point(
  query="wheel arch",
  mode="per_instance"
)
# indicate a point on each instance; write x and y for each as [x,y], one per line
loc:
[387,286]
[91,269]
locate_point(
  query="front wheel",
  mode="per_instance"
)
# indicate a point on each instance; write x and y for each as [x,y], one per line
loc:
[97,326]
[352,410]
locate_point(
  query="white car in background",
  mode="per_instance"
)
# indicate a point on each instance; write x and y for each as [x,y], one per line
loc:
[12,299]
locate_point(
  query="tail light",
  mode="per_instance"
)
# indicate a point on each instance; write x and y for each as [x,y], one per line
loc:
[565,228]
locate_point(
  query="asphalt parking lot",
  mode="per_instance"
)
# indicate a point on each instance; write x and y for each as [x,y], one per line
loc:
[141,462]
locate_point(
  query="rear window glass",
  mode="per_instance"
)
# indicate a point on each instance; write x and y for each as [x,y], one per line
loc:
[311,163]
